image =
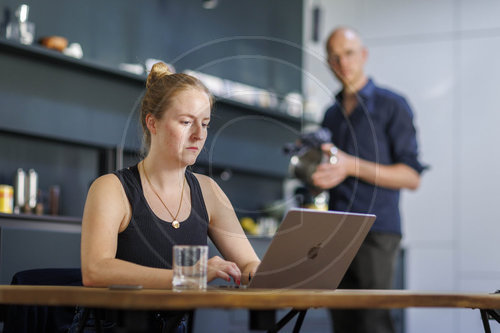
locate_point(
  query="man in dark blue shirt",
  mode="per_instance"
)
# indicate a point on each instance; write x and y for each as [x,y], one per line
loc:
[377,156]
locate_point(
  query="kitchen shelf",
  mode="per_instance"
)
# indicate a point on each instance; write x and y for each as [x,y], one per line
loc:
[261,110]
[41,53]
[37,52]
[42,218]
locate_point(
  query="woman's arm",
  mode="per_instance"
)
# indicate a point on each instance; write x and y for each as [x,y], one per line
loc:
[226,232]
[107,212]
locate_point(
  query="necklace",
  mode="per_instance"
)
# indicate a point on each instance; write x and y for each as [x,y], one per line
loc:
[175,222]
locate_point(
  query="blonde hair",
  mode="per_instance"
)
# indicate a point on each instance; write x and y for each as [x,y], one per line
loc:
[161,87]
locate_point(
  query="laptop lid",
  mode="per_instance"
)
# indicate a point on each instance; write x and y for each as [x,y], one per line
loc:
[312,249]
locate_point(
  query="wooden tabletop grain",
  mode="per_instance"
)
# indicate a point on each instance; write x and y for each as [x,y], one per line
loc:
[153,299]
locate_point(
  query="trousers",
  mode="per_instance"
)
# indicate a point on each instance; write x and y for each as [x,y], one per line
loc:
[372,268]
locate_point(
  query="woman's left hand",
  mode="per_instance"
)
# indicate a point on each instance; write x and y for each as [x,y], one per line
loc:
[220,268]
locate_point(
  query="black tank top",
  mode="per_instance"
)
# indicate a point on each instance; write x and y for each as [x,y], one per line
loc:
[148,240]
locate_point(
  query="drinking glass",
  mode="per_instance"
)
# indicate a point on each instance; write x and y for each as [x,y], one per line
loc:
[190,267]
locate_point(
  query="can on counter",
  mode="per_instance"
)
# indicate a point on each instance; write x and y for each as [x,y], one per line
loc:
[6,199]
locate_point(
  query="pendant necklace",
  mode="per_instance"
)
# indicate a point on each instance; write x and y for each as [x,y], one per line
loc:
[175,223]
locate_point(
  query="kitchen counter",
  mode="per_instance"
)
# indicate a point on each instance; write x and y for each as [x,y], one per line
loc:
[32,241]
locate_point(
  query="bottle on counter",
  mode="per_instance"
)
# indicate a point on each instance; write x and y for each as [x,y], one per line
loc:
[39,208]
[54,194]
[19,190]
[31,191]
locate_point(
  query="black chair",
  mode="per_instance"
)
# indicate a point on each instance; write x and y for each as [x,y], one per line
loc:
[108,320]
[40,319]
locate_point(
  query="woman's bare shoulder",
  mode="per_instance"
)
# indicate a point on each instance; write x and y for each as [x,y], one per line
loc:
[107,182]
[106,201]
[214,196]
[206,181]
[107,185]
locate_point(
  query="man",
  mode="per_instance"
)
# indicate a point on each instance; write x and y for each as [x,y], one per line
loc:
[377,156]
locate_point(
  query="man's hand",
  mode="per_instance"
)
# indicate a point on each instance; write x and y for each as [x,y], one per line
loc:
[329,175]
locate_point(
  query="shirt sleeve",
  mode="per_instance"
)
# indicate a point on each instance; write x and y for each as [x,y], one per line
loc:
[403,137]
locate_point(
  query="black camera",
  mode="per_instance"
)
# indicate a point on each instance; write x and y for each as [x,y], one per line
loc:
[306,154]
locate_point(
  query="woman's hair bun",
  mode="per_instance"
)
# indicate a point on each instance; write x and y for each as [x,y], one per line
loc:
[158,71]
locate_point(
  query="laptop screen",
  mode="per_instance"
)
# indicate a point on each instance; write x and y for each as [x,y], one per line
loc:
[312,249]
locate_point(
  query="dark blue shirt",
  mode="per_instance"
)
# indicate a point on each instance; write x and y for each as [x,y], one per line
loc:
[380,129]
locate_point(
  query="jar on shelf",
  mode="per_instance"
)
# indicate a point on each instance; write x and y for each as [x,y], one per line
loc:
[6,199]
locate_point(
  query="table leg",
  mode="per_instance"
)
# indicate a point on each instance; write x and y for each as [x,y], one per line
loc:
[289,316]
[486,324]
[300,320]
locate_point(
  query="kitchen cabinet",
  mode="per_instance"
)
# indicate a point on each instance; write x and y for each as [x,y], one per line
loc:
[30,241]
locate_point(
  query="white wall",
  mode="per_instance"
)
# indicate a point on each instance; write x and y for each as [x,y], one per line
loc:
[443,56]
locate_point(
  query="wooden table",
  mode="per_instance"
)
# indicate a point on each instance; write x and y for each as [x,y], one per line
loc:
[151,299]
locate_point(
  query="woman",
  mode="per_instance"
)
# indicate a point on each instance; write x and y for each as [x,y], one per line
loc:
[133,217]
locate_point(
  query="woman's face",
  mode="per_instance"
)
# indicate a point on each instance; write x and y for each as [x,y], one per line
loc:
[182,130]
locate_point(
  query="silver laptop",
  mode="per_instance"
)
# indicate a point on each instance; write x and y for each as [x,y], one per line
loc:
[312,249]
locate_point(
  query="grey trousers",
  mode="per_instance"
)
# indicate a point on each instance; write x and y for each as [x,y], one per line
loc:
[372,268]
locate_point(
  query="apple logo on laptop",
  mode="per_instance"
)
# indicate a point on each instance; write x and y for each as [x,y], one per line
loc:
[314,251]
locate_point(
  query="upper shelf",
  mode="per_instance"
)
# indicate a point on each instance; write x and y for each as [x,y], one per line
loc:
[40,53]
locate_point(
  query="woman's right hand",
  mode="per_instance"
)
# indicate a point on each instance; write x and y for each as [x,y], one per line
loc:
[220,268]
